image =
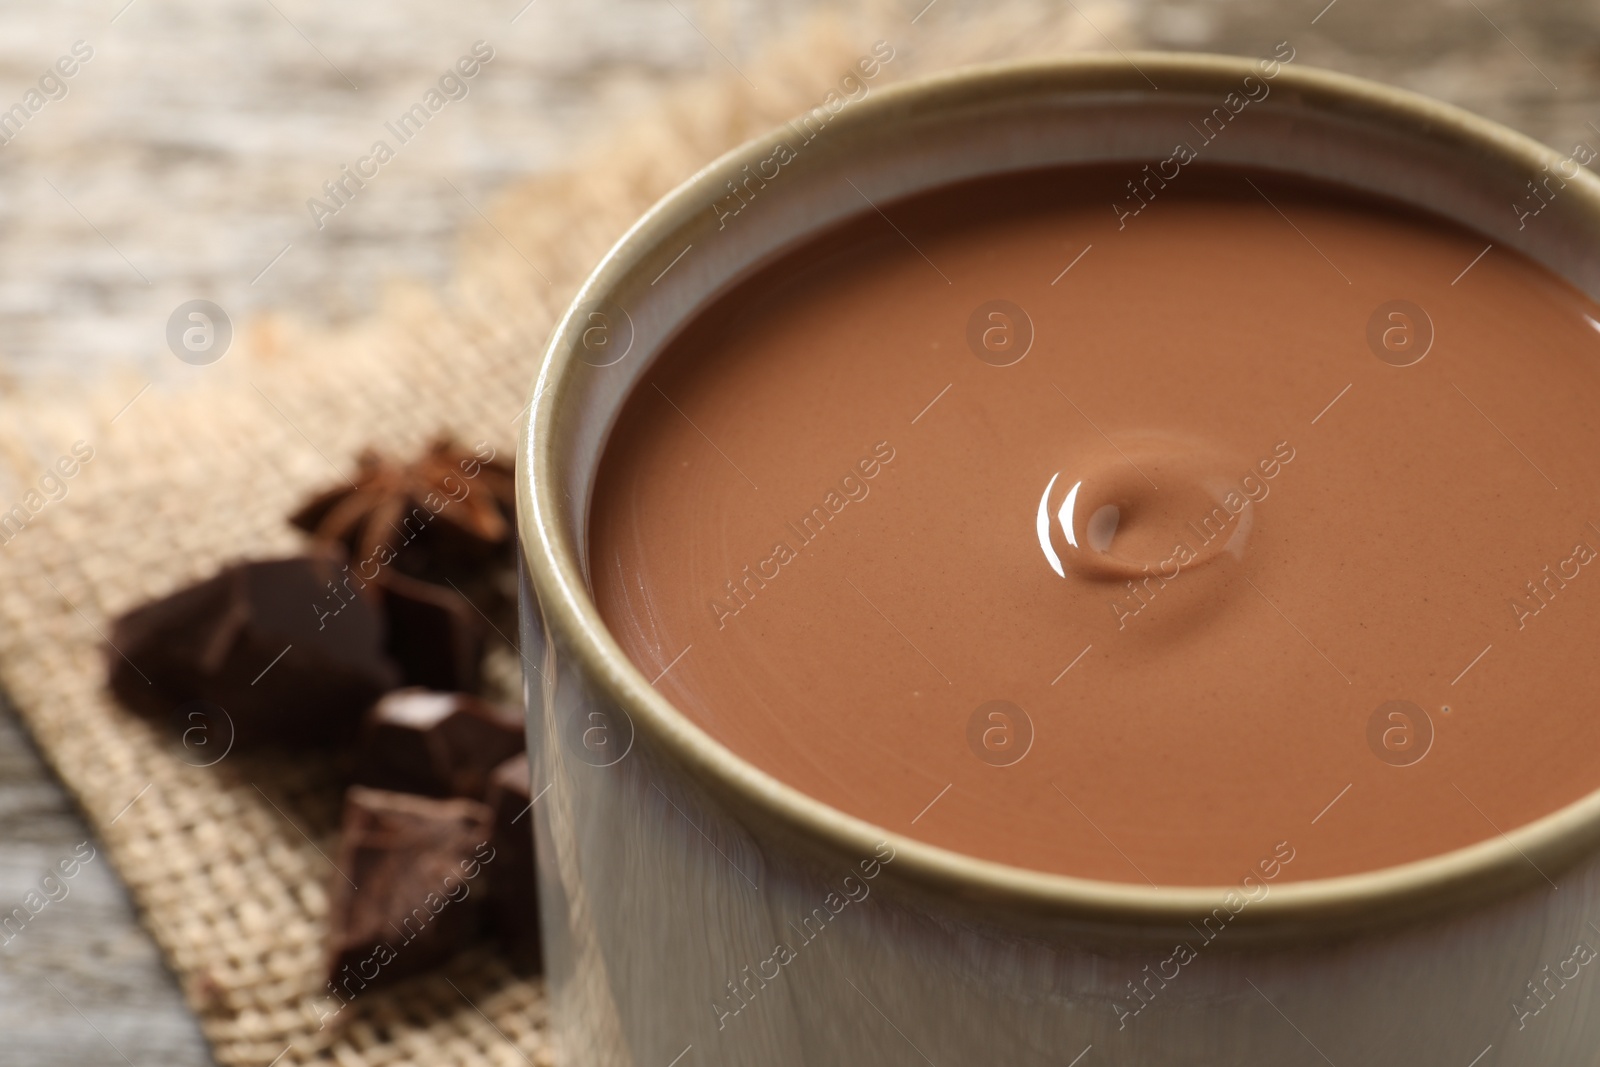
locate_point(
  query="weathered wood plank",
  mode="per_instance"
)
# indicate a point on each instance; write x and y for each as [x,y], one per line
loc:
[81,983]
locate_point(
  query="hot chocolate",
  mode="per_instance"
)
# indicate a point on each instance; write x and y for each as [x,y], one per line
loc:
[1151,551]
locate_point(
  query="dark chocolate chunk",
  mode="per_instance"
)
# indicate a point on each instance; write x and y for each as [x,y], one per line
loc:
[264,641]
[436,744]
[513,897]
[409,890]
[434,634]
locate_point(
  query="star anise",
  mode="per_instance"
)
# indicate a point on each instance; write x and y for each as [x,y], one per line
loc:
[442,516]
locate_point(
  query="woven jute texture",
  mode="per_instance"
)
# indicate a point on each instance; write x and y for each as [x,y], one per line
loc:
[228,863]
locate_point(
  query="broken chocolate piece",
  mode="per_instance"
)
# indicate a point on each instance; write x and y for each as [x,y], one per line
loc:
[409,890]
[259,641]
[436,744]
[441,516]
[513,896]
[434,634]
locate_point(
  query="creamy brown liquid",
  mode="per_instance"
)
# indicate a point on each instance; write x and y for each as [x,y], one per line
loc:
[1276,569]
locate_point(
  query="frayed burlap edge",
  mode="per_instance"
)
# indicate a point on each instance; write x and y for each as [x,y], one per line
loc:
[227,863]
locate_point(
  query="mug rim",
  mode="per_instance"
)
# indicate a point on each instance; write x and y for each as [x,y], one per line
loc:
[1496,866]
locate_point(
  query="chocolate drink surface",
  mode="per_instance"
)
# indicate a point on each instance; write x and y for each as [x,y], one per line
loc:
[1248,533]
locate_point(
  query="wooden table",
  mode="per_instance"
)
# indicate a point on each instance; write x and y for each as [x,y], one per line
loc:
[81,984]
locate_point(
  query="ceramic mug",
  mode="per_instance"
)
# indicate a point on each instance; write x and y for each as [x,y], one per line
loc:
[698,911]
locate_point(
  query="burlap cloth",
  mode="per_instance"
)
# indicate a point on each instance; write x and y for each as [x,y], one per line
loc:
[227,864]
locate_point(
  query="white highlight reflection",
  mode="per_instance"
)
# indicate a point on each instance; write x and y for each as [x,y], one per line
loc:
[1042,525]
[1065,514]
